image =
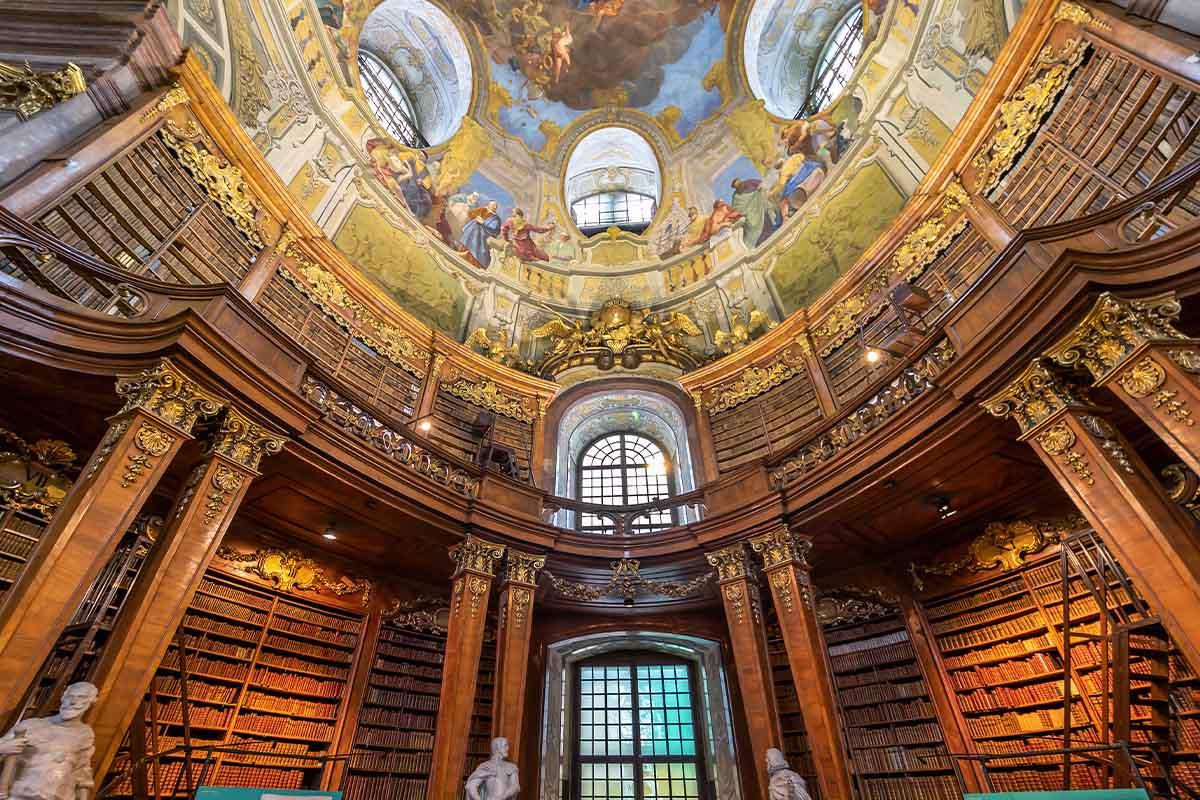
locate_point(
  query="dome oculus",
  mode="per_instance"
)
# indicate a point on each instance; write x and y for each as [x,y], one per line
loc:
[612,180]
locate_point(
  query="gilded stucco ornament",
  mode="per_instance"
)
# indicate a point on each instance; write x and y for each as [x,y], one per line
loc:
[477,555]
[225,482]
[781,546]
[291,571]
[618,332]
[427,614]
[29,93]
[35,477]
[1109,441]
[244,441]
[165,392]
[175,96]
[1142,378]
[1034,396]
[486,394]
[151,442]
[851,604]
[1068,11]
[627,583]
[751,382]
[497,348]
[1116,328]
[221,180]
[731,562]
[523,567]
[1057,440]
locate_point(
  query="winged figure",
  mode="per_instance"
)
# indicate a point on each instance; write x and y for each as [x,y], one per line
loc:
[495,349]
[568,337]
[743,329]
[668,334]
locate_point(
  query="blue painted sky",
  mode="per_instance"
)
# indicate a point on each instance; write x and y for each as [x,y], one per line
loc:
[516,119]
[489,190]
[741,168]
[681,83]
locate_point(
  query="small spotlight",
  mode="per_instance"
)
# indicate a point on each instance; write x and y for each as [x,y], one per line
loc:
[424,426]
[873,355]
[330,535]
[944,509]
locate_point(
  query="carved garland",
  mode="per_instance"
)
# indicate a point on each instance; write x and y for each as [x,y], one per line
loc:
[427,614]
[752,382]
[290,571]
[29,93]
[851,604]
[222,181]
[486,394]
[627,583]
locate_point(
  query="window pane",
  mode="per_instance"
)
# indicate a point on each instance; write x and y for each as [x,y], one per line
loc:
[662,731]
[836,63]
[675,780]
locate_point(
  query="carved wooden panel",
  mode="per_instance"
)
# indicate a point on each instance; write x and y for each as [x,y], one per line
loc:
[773,421]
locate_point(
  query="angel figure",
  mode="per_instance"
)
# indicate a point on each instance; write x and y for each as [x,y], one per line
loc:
[497,349]
[569,337]
[666,335]
[560,49]
[742,330]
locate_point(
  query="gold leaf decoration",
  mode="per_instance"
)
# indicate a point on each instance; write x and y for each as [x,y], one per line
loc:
[752,382]
[29,93]
[290,571]
[221,180]
[486,394]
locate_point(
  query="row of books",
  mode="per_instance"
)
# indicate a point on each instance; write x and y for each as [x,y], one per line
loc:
[279,661]
[902,759]
[1001,630]
[285,726]
[169,775]
[406,682]
[286,645]
[889,712]
[981,615]
[1188,733]
[901,651]
[967,602]
[1045,574]
[1012,722]
[1047,780]
[291,681]
[224,590]
[1007,697]
[358,786]
[409,700]
[10,570]
[386,737]
[296,755]
[261,701]
[399,637]
[920,733]
[982,677]
[881,693]
[197,663]
[196,690]
[397,719]
[382,664]
[259,777]
[312,631]
[396,761]
[873,643]
[866,630]
[198,622]
[410,653]
[207,716]
[16,546]
[225,608]
[213,645]
[318,618]
[912,787]
[998,650]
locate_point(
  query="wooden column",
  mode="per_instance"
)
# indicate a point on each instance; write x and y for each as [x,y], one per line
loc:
[785,563]
[429,390]
[471,587]
[161,406]
[537,450]
[708,450]
[1133,347]
[747,636]
[517,594]
[1152,537]
[206,504]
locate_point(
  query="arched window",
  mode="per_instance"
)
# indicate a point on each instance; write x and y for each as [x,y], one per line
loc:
[624,469]
[612,180]
[388,100]
[836,64]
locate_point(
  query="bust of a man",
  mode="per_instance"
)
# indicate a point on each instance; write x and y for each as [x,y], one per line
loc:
[50,758]
[784,784]
[496,778]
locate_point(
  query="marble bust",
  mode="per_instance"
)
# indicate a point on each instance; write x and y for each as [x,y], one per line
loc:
[496,778]
[50,758]
[784,784]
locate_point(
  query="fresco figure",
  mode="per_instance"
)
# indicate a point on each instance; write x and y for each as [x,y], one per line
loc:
[483,224]
[722,217]
[519,233]
[458,211]
[694,233]
[405,173]
[563,249]
[751,200]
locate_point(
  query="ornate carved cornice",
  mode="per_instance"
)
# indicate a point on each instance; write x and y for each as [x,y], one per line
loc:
[523,568]
[243,441]
[222,181]
[1114,330]
[175,96]
[732,562]
[850,604]
[486,394]
[1068,11]
[291,571]
[165,392]
[1035,396]
[428,614]
[476,555]
[29,93]
[627,583]
[780,547]
[913,382]
[752,382]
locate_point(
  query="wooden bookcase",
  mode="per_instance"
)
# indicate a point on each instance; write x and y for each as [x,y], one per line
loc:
[265,671]
[795,738]
[481,717]
[897,751]
[20,530]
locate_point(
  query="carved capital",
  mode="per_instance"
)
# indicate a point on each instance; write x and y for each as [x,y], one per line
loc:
[732,563]
[780,547]
[29,93]
[243,441]
[523,568]
[165,392]
[1035,396]
[1114,330]
[476,555]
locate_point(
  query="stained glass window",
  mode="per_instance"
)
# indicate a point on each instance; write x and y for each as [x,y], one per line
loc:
[388,100]
[656,758]
[836,64]
[624,469]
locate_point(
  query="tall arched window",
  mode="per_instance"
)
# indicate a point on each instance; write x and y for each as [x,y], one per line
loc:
[836,64]
[624,469]
[612,180]
[389,100]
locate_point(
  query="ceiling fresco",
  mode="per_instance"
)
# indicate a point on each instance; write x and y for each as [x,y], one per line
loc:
[757,212]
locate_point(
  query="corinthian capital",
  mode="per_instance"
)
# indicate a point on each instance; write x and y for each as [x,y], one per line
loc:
[1036,395]
[523,567]
[166,392]
[244,441]
[1115,329]
[732,562]
[782,546]
[476,555]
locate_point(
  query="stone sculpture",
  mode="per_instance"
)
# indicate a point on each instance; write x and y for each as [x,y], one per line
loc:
[50,758]
[784,784]
[496,778]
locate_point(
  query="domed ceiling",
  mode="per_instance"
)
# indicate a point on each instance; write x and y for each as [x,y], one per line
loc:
[755,214]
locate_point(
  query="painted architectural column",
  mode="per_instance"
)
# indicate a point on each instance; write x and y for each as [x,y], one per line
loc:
[1133,347]
[161,406]
[1153,538]
[785,563]
[747,636]
[517,594]
[206,504]
[471,587]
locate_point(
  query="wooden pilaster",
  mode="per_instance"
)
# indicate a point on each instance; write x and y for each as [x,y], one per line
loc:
[747,636]
[1152,537]
[785,563]
[708,451]
[161,406]
[517,595]
[470,590]
[207,503]
[429,390]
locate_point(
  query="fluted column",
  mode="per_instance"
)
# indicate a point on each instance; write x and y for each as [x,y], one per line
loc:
[1133,347]
[517,594]
[206,504]
[748,639]
[785,563]
[1154,539]
[471,586]
[161,406]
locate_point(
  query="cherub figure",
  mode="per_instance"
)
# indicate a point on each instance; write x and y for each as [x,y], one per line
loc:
[560,49]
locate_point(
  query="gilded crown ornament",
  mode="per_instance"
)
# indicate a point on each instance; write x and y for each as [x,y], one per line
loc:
[165,392]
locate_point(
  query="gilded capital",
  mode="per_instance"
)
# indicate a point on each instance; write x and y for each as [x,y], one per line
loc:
[165,392]
[243,441]
[1114,329]
[731,562]
[782,546]
[476,555]
[1035,396]
[523,567]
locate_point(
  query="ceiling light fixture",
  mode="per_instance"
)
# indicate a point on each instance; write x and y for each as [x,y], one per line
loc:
[423,424]
[944,509]
[329,534]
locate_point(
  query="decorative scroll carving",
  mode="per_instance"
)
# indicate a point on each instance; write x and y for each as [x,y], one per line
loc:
[1077,14]
[1142,378]
[109,443]
[1002,545]
[152,442]
[163,391]
[175,96]
[752,382]
[243,441]
[1114,329]
[627,583]
[1021,115]
[225,482]
[290,571]
[1035,396]
[477,555]
[389,441]
[1182,486]
[1058,440]
[731,562]
[521,599]
[851,604]
[781,581]
[737,601]
[780,547]
[328,293]
[486,394]
[523,568]
[913,382]
[29,93]
[221,180]
[35,477]
[428,614]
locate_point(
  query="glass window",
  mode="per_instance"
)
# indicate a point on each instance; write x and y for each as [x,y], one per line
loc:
[624,469]
[836,63]
[388,100]
[623,209]
[656,758]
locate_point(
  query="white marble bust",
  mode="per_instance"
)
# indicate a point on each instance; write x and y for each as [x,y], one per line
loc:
[496,778]
[50,758]
[784,784]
